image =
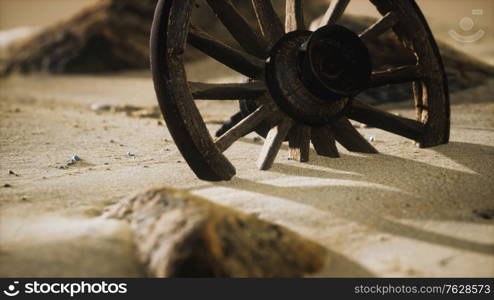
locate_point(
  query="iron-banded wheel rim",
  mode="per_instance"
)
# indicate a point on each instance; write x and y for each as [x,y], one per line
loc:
[172,30]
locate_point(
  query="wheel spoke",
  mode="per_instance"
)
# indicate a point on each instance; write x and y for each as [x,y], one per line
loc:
[239,27]
[380,27]
[227,91]
[418,98]
[272,144]
[244,127]
[397,75]
[350,138]
[335,11]
[294,15]
[239,61]
[299,143]
[270,23]
[324,141]
[384,120]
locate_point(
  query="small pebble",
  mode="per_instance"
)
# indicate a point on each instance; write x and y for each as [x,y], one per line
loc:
[24,198]
[12,173]
[75,158]
[7,185]
[131,154]
[106,164]
[372,139]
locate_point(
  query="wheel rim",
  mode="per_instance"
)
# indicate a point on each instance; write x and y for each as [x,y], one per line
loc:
[172,30]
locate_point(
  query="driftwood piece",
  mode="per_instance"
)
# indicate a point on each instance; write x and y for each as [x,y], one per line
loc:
[182,235]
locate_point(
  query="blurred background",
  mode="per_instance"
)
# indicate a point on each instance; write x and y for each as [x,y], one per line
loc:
[464,17]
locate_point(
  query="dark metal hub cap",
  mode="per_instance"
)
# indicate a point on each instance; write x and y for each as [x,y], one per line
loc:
[313,75]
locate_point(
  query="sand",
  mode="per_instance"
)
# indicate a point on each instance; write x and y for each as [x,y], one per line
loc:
[404,212]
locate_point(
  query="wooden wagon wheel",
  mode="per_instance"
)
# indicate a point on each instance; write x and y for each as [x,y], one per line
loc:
[303,85]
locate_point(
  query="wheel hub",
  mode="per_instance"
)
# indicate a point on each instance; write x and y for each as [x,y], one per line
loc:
[313,75]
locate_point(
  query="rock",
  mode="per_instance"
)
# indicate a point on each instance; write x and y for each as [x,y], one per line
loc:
[109,35]
[181,235]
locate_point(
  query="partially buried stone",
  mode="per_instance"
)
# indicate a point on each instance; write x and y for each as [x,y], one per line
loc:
[182,235]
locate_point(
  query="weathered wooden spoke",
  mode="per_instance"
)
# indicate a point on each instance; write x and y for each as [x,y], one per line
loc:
[350,138]
[269,22]
[242,128]
[227,91]
[381,26]
[299,142]
[294,19]
[239,27]
[375,117]
[335,11]
[239,61]
[324,141]
[272,144]
[397,75]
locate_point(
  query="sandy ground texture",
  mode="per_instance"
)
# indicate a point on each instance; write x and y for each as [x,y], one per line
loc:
[404,212]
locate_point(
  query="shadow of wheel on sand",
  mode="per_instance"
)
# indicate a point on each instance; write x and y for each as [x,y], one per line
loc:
[377,191]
